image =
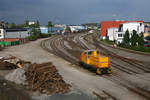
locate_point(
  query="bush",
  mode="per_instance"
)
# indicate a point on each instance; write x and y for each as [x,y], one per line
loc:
[45,35]
[32,38]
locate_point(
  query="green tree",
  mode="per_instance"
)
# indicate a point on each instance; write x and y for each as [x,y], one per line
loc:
[6,25]
[50,24]
[141,40]
[134,38]
[13,25]
[26,22]
[126,38]
[37,24]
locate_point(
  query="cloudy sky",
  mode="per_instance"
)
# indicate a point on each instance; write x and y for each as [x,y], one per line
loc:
[73,11]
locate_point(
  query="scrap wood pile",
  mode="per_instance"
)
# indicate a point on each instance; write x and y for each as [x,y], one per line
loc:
[12,63]
[40,77]
[6,65]
[46,79]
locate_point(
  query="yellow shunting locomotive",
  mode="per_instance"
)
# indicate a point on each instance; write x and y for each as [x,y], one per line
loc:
[92,59]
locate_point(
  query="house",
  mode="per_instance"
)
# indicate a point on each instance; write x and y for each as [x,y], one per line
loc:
[110,24]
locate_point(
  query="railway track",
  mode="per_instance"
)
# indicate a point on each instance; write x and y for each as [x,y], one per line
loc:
[135,64]
[54,45]
[127,84]
[57,46]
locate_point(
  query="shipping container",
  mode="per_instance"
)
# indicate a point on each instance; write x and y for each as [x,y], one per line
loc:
[7,43]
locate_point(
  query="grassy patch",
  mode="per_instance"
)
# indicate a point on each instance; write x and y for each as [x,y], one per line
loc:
[136,48]
[107,41]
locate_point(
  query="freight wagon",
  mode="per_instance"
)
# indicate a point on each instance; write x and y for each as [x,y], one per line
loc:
[92,59]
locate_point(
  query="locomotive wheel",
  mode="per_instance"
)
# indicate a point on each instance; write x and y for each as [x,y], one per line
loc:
[98,71]
[109,71]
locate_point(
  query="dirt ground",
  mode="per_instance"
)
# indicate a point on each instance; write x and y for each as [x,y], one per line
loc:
[11,91]
[79,79]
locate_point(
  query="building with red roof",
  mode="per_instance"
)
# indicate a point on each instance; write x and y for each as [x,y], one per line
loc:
[110,24]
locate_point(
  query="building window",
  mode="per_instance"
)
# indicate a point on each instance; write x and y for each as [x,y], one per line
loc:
[120,35]
[120,28]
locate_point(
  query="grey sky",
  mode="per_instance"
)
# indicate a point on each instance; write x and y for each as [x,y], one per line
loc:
[73,11]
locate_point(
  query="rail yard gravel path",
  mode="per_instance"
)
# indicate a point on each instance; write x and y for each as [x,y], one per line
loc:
[81,81]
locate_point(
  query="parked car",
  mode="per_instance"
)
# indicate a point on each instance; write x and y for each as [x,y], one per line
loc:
[147,44]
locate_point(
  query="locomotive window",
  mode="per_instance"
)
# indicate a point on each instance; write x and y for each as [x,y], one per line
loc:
[98,52]
[85,53]
[89,53]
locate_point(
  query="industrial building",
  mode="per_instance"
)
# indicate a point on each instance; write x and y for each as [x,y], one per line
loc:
[14,33]
[111,24]
[115,30]
[56,30]
[130,26]
[44,29]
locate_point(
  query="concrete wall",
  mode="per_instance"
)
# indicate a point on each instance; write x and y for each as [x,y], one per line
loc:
[139,27]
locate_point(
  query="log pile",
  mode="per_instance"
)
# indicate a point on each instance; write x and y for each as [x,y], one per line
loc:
[46,79]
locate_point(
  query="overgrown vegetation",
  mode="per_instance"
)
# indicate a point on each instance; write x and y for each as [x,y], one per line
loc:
[36,33]
[107,41]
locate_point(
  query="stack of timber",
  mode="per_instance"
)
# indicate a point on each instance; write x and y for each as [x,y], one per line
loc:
[46,79]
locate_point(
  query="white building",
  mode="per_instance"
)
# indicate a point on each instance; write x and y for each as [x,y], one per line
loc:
[116,34]
[111,33]
[138,27]
[76,28]
[2,31]
[130,26]
[31,22]
[60,25]
[14,33]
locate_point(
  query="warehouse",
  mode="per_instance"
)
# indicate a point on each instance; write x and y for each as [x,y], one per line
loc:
[14,33]
[44,29]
